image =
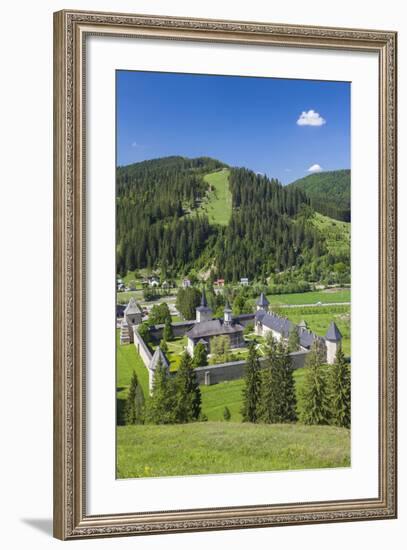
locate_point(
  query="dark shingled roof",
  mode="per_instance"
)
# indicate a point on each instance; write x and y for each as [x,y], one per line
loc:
[285,326]
[132,307]
[262,300]
[333,333]
[216,327]
[158,354]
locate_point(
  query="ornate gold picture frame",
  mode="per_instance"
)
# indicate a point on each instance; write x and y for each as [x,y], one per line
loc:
[71,30]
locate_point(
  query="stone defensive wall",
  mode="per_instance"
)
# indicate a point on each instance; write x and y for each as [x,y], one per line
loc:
[142,348]
[233,370]
[211,374]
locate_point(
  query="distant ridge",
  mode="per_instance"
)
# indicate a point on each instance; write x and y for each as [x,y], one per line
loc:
[329,193]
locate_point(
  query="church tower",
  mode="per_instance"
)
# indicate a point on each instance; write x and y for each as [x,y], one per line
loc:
[227,314]
[203,312]
[262,303]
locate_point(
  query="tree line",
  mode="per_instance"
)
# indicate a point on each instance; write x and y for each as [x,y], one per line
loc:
[269,394]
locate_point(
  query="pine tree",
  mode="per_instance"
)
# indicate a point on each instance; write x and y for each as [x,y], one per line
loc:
[288,403]
[188,398]
[340,387]
[164,346]
[293,340]
[315,391]
[135,402]
[252,390]
[271,385]
[168,334]
[200,356]
[161,407]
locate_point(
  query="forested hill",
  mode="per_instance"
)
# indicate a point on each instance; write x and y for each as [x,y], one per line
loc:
[163,223]
[329,192]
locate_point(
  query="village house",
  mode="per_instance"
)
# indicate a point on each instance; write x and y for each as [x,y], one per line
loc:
[206,328]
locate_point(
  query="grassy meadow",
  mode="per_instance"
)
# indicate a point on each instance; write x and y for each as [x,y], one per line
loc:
[218,203]
[329,296]
[227,447]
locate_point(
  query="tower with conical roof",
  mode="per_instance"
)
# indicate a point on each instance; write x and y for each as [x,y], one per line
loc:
[203,312]
[157,357]
[262,304]
[227,314]
[333,339]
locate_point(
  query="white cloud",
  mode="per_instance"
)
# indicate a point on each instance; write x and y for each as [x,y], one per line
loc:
[310,118]
[287,170]
[134,144]
[315,168]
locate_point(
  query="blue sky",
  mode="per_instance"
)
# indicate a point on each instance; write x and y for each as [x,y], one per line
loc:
[279,127]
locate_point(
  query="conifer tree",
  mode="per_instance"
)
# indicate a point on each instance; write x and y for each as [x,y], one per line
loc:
[200,356]
[293,340]
[188,397]
[135,402]
[271,385]
[161,407]
[288,403]
[164,346]
[340,387]
[168,334]
[315,392]
[252,390]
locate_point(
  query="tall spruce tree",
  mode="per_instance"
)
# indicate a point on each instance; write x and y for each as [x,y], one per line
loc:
[271,385]
[200,356]
[168,334]
[340,388]
[315,406]
[161,406]
[134,413]
[188,397]
[288,403]
[293,340]
[252,390]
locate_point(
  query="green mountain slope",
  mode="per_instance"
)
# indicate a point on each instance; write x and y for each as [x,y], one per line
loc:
[329,192]
[176,214]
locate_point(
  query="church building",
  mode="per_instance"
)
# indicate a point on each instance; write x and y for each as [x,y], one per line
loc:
[206,328]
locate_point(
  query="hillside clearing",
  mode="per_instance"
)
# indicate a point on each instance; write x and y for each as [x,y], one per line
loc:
[336,233]
[218,203]
[227,447]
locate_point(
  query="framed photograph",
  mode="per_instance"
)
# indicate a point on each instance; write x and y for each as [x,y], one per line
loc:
[225,274]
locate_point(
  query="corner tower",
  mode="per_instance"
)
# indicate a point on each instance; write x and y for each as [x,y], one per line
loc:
[333,339]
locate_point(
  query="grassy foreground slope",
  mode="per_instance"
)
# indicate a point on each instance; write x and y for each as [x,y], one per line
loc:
[218,205]
[220,447]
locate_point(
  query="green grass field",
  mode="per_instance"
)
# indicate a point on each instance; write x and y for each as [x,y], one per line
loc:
[218,203]
[319,318]
[336,233]
[330,296]
[226,447]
